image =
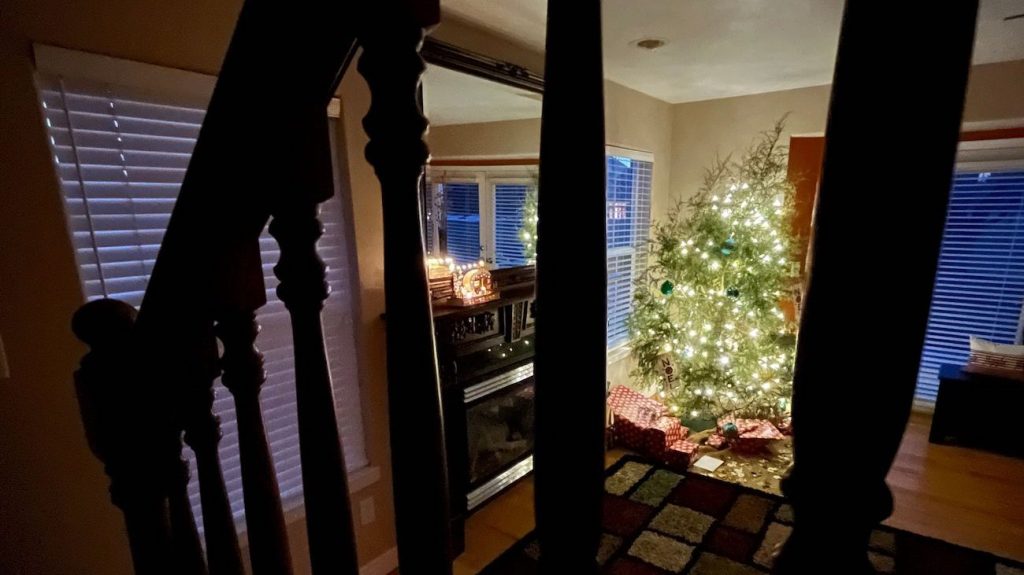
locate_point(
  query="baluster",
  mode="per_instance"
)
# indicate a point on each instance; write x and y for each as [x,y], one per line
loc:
[188,551]
[203,435]
[571,274]
[123,431]
[244,376]
[303,289]
[835,512]
[395,124]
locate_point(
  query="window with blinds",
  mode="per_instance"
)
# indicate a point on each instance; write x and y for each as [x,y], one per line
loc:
[120,155]
[628,195]
[462,216]
[979,286]
[509,200]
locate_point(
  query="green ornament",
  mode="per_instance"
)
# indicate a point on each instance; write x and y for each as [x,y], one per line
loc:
[667,286]
[728,247]
[733,292]
[730,430]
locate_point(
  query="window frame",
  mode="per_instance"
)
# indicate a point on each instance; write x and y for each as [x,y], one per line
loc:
[620,348]
[486,178]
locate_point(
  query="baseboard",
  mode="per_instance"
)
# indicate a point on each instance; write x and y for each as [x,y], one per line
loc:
[384,564]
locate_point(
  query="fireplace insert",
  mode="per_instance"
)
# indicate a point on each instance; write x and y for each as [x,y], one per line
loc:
[485,355]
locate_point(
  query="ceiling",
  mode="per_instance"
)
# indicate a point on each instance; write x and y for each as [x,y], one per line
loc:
[722,48]
[451,97]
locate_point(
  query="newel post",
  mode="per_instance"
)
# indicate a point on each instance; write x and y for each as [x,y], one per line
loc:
[128,428]
[395,124]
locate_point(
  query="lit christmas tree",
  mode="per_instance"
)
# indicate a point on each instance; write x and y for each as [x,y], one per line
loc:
[707,328]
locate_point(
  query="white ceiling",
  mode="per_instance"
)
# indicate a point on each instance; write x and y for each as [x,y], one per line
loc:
[722,48]
[451,97]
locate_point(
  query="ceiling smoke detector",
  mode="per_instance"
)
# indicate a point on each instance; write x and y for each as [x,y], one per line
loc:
[649,43]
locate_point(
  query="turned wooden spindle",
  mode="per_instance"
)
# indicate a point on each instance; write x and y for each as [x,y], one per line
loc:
[395,124]
[123,432]
[571,274]
[303,289]
[243,375]
[203,435]
[923,64]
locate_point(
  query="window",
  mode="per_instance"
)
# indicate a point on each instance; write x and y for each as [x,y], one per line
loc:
[476,213]
[509,199]
[979,286]
[462,216]
[120,154]
[629,220]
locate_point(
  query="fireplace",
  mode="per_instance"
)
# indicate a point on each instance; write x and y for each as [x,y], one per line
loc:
[499,433]
[485,356]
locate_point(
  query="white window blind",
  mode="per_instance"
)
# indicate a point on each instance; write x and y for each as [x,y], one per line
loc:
[120,155]
[509,199]
[629,220]
[979,286]
[462,213]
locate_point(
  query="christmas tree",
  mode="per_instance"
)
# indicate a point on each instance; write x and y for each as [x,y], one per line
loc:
[707,326]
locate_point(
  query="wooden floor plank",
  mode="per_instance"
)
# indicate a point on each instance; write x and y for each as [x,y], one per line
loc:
[964,496]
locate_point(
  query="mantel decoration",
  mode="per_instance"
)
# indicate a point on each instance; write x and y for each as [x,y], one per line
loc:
[709,333]
[460,285]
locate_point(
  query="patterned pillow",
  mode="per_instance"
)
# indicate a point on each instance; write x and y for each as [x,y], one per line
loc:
[996,359]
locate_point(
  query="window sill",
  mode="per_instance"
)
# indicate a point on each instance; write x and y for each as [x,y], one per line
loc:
[361,479]
[618,352]
[358,480]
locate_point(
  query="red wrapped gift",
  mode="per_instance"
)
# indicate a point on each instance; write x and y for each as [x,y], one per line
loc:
[756,440]
[681,454]
[662,433]
[633,414]
[717,441]
[625,402]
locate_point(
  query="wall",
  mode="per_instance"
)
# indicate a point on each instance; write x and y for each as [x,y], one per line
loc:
[55,514]
[506,139]
[702,129]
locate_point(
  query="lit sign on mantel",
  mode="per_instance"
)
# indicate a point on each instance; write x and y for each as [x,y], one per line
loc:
[471,283]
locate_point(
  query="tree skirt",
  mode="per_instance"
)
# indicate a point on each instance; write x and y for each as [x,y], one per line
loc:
[761,472]
[657,521]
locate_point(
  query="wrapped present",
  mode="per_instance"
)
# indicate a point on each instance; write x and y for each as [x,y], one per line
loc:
[681,454]
[625,402]
[752,435]
[748,436]
[662,433]
[717,441]
[632,414]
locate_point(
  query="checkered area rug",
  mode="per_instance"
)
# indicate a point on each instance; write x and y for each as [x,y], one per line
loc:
[657,521]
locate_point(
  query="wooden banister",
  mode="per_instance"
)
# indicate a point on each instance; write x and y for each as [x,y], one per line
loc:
[919,85]
[571,274]
[395,124]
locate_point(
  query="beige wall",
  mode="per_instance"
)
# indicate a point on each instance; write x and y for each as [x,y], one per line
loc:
[724,126]
[507,139]
[55,515]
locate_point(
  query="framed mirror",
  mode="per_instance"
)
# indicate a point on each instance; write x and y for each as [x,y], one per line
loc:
[480,186]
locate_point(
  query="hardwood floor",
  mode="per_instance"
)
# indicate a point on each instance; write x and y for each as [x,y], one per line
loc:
[968,497]
[971,498]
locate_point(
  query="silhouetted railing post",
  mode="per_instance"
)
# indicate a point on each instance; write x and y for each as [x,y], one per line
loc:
[303,289]
[203,435]
[127,427]
[243,375]
[873,269]
[395,124]
[571,275]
